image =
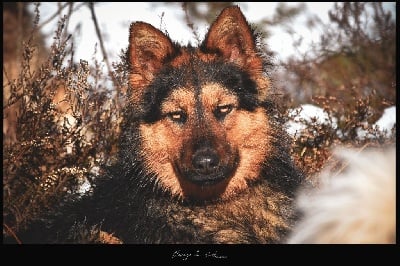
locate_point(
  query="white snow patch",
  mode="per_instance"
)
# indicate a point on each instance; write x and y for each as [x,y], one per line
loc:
[383,124]
[307,113]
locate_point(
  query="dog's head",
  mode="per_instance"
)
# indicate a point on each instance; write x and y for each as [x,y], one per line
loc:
[204,131]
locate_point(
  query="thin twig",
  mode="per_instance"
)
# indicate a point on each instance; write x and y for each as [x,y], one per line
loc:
[70,10]
[189,23]
[103,50]
[10,231]
[57,13]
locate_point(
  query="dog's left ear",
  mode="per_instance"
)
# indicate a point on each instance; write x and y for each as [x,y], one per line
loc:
[231,37]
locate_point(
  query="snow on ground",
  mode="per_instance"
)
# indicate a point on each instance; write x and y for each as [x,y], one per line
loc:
[383,124]
[308,112]
[388,119]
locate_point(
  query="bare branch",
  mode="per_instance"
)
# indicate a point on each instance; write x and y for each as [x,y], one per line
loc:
[58,12]
[103,50]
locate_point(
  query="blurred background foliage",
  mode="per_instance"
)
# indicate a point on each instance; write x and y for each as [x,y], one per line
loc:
[61,123]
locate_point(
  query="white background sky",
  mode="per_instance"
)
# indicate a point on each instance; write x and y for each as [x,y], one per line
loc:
[115,18]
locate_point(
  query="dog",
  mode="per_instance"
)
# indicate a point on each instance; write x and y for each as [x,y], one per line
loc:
[203,157]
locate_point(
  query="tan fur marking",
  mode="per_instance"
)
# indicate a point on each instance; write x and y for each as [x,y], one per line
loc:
[205,57]
[182,59]
[158,152]
[249,131]
[214,94]
[180,99]
[263,87]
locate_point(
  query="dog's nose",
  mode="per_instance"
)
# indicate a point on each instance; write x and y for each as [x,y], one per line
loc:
[205,162]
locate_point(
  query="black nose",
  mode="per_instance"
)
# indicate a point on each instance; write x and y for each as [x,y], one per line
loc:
[205,162]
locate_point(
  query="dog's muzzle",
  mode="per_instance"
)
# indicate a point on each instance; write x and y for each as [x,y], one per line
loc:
[207,168]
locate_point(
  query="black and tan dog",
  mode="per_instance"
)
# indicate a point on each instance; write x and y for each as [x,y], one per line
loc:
[203,158]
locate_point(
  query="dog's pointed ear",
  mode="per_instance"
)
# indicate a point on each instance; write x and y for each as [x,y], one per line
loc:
[232,38]
[148,47]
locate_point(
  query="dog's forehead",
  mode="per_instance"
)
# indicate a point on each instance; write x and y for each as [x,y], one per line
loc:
[209,94]
[197,75]
[188,55]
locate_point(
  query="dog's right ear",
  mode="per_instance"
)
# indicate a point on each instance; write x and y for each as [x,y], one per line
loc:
[148,47]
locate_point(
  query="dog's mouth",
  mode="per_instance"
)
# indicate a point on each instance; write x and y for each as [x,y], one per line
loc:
[207,177]
[204,180]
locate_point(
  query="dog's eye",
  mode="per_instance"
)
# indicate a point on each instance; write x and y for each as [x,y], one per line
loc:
[222,110]
[178,117]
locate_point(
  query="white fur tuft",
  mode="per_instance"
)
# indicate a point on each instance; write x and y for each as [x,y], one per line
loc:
[356,206]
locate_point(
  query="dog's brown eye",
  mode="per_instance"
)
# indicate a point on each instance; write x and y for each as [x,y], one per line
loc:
[178,117]
[222,110]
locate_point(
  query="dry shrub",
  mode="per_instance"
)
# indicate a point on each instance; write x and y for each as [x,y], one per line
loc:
[66,129]
[312,147]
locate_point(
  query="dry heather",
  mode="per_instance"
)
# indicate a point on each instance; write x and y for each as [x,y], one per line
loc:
[61,121]
[312,147]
